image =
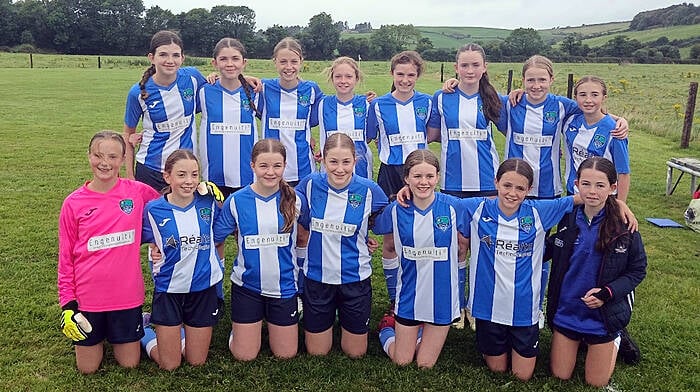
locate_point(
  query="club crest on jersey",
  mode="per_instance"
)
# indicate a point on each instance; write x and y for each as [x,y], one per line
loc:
[127,205]
[442,222]
[188,94]
[486,239]
[304,100]
[354,200]
[599,141]
[205,214]
[422,113]
[481,108]
[171,242]
[550,117]
[359,111]
[245,104]
[526,223]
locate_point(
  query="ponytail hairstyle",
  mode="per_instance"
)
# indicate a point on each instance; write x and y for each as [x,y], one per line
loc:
[107,134]
[288,43]
[237,45]
[343,60]
[417,157]
[517,165]
[612,226]
[489,95]
[288,196]
[175,157]
[407,57]
[163,37]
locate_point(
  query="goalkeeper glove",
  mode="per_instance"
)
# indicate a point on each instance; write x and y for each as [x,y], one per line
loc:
[209,188]
[73,323]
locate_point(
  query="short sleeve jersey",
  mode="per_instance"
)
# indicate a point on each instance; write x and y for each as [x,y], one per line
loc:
[184,236]
[266,262]
[349,118]
[338,222]
[533,133]
[468,151]
[427,244]
[584,141]
[399,127]
[167,116]
[287,117]
[505,266]
[228,132]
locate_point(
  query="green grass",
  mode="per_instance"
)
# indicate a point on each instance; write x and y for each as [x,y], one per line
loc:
[48,116]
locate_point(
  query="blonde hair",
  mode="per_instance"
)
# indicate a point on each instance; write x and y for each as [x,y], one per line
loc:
[342,60]
[290,44]
[538,61]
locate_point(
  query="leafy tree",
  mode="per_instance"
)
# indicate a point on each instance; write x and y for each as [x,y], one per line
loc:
[573,46]
[117,20]
[391,39]
[424,44]
[233,21]
[354,47]
[620,46]
[320,38]
[8,23]
[198,41]
[157,19]
[523,42]
[695,52]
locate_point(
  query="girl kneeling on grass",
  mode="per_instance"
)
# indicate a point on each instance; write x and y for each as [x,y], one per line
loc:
[100,285]
[427,295]
[264,277]
[185,281]
[600,263]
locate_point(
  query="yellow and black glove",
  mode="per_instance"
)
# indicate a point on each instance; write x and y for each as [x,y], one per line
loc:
[73,323]
[209,188]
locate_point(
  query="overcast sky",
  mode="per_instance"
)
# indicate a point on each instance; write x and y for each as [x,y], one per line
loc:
[508,14]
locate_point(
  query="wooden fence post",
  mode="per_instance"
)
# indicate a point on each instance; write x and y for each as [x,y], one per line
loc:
[510,80]
[689,111]
[99,62]
[570,85]
[442,72]
[31,61]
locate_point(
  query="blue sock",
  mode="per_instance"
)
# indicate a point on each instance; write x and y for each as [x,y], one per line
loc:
[391,270]
[420,335]
[148,341]
[387,336]
[302,254]
[545,279]
[462,281]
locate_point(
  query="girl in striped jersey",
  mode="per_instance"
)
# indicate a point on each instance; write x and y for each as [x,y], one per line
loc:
[398,121]
[264,286]
[337,208]
[507,237]
[426,234]
[346,112]
[228,127]
[165,100]
[461,122]
[287,110]
[181,225]
[589,134]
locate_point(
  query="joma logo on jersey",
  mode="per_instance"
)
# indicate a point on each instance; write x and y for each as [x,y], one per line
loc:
[205,214]
[422,113]
[188,94]
[550,117]
[304,100]
[359,111]
[526,223]
[442,222]
[127,205]
[599,141]
[354,200]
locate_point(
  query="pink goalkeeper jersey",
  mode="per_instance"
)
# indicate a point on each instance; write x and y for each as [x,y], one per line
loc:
[99,237]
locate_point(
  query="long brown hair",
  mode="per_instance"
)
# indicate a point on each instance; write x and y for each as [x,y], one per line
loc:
[175,157]
[612,226]
[488,93]
[237,45]
[288,196]
[520,166]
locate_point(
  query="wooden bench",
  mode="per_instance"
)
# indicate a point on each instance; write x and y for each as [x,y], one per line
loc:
[684,165]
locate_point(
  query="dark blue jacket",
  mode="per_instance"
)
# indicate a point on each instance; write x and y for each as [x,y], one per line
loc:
[623,267]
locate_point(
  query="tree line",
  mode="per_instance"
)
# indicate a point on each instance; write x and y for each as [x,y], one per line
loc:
[124,27]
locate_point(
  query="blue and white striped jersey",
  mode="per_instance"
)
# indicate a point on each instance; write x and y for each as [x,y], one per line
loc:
[227,133]
[266,262]
[349,118]
[505,266]
[338,223]
[168,117]
[399,127]
[184,236]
